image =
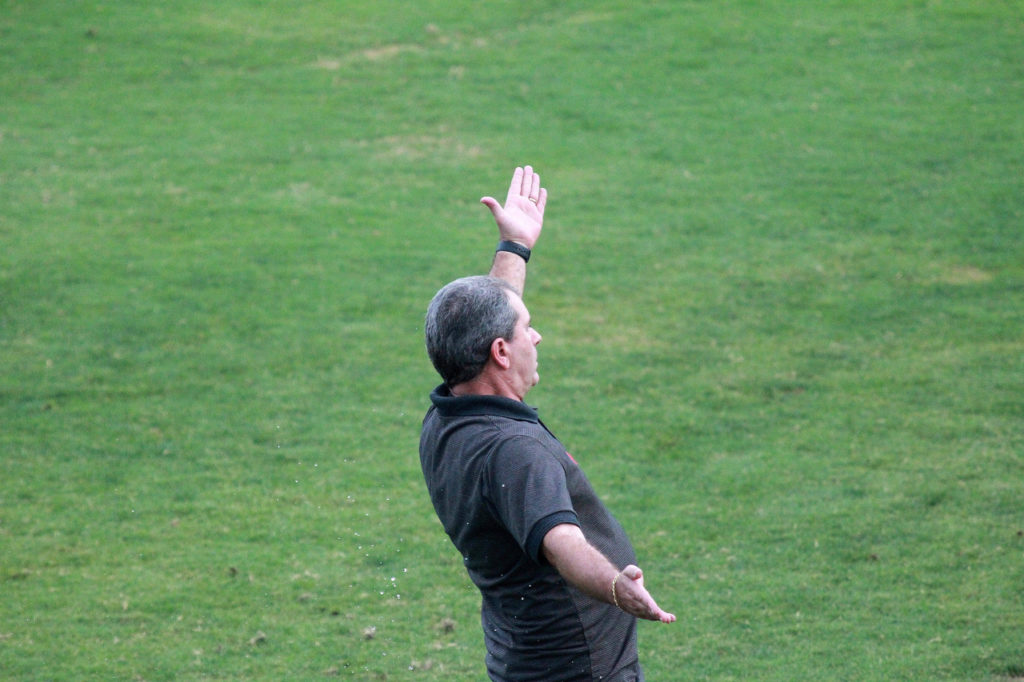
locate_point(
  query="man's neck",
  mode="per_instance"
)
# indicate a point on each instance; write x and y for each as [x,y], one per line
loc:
[484,385]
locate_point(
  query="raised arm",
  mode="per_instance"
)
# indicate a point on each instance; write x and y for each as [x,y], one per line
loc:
[583,565]
[519,221]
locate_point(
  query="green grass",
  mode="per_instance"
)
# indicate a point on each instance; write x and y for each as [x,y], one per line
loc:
[780,288]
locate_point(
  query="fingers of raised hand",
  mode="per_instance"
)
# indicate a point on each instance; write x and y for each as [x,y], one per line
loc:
[526,185]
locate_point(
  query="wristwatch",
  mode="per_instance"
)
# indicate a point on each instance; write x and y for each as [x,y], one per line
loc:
[516,248]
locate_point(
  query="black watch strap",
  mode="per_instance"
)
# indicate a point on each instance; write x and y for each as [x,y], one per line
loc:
[516,248]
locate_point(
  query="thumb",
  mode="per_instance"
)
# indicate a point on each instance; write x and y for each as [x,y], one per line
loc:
[633,572]
[492,203]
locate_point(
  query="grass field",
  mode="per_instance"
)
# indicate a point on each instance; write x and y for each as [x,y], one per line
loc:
[781,288]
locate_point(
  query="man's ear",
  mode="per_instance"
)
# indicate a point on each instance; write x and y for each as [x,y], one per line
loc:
[499,353]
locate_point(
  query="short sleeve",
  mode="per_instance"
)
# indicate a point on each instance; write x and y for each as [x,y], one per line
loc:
[526,487]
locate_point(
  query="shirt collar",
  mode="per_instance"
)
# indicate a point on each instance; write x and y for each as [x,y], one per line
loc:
[479,405]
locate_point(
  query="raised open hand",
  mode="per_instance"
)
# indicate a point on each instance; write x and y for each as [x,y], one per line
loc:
[522,217]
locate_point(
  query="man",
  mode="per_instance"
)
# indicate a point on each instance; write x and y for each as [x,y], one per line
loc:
[561,591]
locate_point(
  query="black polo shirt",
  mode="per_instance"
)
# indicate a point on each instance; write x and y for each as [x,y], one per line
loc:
[499,481]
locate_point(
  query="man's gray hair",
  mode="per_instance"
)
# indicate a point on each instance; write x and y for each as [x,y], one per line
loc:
[463,319]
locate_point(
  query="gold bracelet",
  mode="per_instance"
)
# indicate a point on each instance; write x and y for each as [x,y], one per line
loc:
[615,599]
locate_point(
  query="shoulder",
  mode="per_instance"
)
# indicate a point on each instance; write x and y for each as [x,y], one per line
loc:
[518,451]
